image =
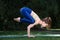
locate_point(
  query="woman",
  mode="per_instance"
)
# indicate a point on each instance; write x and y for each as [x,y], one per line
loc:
[30,17]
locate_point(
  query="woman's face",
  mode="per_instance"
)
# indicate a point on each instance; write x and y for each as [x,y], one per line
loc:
[44,24]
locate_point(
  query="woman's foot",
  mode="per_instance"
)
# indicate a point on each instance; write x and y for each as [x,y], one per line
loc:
[17,19]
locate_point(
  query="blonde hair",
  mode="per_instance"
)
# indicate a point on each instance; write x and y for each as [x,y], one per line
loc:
[48,21]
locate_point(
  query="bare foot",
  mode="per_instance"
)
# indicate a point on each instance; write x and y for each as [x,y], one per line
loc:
[17,19]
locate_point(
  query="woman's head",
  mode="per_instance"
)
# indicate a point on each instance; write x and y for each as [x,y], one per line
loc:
[46,22]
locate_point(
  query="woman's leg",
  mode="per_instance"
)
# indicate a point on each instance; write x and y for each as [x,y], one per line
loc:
[27,17]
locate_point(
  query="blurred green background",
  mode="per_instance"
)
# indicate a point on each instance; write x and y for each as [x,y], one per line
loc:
[9,9]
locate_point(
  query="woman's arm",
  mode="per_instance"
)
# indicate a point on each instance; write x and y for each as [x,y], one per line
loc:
[29,28]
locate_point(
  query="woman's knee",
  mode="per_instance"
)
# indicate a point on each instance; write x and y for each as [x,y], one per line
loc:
[24,9]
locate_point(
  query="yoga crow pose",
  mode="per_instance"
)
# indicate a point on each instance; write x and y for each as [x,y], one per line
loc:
[29,16]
